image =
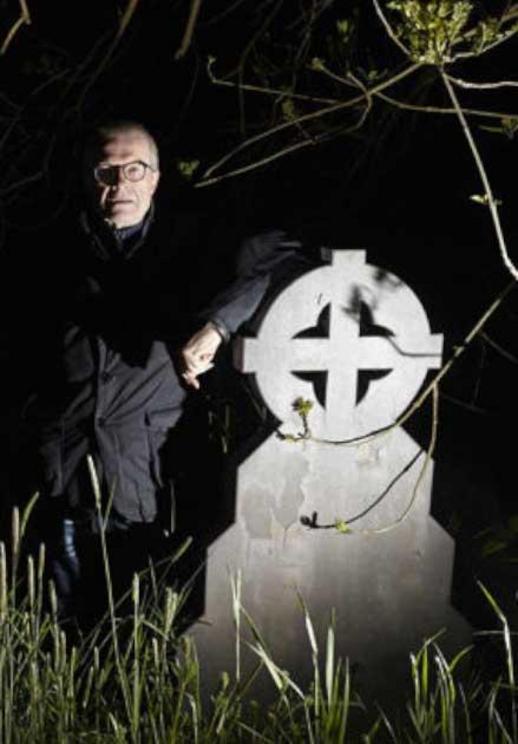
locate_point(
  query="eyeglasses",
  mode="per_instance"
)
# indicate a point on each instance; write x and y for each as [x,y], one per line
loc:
[108,175]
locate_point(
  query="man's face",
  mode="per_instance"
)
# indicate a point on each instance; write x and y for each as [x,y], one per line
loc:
[123,202]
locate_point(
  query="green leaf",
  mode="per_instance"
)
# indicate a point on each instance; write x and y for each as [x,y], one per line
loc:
[345,29]
[484,200]
[430,30]
[187,167]
[317,64]
[493,546]
[302,406]
[289,111]
[342,527]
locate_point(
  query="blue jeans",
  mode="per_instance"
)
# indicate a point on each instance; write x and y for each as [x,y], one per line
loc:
[76,565]
[65,568]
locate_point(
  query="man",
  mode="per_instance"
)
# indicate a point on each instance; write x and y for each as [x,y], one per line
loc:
[105,360]
[125,177]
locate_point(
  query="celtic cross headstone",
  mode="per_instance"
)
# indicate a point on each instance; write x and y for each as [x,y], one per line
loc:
[355,341]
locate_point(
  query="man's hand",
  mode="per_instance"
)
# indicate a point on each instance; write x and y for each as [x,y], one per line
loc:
[197,355]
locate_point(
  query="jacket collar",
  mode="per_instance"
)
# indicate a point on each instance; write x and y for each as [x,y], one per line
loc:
[108,243]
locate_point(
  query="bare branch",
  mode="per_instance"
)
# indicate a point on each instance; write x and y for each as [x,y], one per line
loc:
[256,163]
[126,18]
[458,351]
[500,349]
[388,28]
[468,55]
[482,86]
[337,78]
[25,11]
[189,29]
[314,525]
[493,207]
[23,19]
[227,11]
[415,490]
[441,110]
[265,90]
[306,117]
[21,182]
[244,56]
[464,404]
[414,493]
[418,402]
[286,150]
[281,153]
[8,103]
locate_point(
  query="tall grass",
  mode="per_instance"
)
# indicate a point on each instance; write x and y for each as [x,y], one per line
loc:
[135,679]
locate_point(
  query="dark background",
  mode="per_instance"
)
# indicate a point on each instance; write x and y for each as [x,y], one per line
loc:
[399,186]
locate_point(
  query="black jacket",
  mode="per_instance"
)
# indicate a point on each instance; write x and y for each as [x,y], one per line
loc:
[93,353]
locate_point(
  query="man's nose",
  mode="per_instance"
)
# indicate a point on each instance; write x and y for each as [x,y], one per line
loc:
[117,177]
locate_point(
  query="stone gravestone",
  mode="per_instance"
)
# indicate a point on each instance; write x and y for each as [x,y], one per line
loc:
[355,340]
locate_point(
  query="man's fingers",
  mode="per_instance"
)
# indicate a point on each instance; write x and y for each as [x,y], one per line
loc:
[198,367]
[191,375]
[195,361]
[191,381]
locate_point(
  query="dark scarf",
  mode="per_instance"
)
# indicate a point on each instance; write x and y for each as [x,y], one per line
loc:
[108,242]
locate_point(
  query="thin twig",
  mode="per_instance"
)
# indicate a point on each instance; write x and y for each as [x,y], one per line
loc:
[258,33]
[25,11]
[24,18]
[305,117]
[189,29]
[418,402]
[127,16]
[244,57]
[125,20]
[257,163]
[470,84]
[506,354]
[266,90]
[227,11]
[338,78]
[312,523]
[21,182]
[482,113]
[415,490]
[463,404]
[493,208]
[388,28]
[308,22]
[458,351]
[422,472]
[489,47]
[11,34]
[7,101]
[285,151]
[480,371]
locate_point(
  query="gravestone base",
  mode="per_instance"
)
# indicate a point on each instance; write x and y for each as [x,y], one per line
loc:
[389,591]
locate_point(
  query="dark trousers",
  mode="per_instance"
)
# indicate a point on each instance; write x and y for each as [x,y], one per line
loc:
[82,574]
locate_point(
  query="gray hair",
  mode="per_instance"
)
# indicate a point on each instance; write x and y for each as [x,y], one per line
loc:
[101,133]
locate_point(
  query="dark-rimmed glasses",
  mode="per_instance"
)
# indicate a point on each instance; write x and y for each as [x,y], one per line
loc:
[108,175]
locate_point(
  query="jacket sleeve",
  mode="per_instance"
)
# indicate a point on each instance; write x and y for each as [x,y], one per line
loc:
[260,259]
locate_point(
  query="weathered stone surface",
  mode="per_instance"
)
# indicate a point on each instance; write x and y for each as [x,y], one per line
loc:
[389,579]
